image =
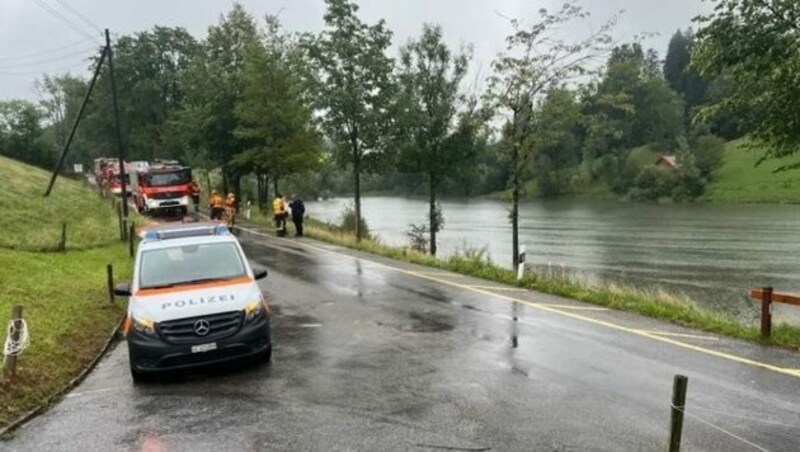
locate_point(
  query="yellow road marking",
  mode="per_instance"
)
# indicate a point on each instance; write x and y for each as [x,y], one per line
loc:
[502,289]
[550,308]
[690,336]
[456,275]
[573,308]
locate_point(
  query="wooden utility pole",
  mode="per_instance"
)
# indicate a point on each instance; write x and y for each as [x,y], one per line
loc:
[75,124]
[120,149]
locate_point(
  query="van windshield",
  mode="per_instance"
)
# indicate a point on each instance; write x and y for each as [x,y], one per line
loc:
[189,264]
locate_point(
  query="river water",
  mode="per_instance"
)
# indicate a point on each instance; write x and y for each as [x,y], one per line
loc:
[711,253]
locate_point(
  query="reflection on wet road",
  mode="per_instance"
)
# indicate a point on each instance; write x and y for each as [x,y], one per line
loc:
[367,358]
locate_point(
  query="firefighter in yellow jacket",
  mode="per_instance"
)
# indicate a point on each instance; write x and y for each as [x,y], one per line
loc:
[279,210]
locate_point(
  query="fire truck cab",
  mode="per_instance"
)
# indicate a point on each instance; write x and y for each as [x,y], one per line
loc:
[162,188]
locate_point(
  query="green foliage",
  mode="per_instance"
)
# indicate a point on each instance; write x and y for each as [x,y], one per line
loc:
[651,184]
[689,184]
[418,237]
[355,89]
[276,119]
[348,222]
[677,71]
[708,151]
[431,141]
[21,134]
[753,44]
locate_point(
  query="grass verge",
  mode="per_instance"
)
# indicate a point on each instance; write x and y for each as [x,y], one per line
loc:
[31,222]
[63,294]
[659,305]
[65,304]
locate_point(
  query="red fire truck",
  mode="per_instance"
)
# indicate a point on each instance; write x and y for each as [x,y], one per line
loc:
[162,188]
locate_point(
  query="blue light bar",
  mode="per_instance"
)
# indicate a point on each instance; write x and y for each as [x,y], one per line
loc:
[184,231]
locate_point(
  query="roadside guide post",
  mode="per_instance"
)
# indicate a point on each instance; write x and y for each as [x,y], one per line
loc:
[11,360]
[110,281]
[249,204]
[521,264]
[766,312]
[678,406]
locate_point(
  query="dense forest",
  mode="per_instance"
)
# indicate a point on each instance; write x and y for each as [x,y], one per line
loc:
[337,112]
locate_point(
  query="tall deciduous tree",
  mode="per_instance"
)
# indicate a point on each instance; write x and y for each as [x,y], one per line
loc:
[535,61]
[276,117]
[148,67]
[430,76]
[755,45]
[215,85]
[355,89]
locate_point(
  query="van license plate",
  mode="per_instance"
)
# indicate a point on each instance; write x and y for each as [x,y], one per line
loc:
[204,347]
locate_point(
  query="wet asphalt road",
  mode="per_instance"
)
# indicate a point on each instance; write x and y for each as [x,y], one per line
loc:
[370,357]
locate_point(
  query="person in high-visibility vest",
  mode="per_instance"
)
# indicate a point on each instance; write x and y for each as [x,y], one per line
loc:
[196,190]
[217,205]
[279,209]
[230,209]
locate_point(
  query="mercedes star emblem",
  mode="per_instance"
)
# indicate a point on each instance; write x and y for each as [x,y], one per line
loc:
[202,327]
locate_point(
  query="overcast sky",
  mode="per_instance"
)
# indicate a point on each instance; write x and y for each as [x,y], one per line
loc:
[33,41]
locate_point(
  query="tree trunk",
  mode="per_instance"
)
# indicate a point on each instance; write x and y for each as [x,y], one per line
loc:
[515,182]
[236,186]
[275,185]
[357,184]
[224,181]
[432,220]
[208,183]
[259,190]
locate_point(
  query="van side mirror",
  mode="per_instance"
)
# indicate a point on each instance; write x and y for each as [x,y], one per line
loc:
[259,274]
[122,290]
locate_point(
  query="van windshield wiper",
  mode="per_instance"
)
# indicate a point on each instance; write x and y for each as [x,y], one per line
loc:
[184,283]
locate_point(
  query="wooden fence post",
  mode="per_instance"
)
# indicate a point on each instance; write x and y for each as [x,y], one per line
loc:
[131,238]
[121,226]
[11,360]
[676,418]
[62,245]
[110,276]
[766,312]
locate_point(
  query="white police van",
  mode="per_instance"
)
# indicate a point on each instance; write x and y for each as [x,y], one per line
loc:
[193,301]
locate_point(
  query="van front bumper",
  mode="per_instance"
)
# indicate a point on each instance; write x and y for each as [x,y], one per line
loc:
[150,354]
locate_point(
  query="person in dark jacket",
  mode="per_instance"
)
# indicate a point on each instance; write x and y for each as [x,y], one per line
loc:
[298,211]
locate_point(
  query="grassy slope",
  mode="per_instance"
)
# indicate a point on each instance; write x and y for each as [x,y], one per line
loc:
[739,180]
[63,294]
[32,222]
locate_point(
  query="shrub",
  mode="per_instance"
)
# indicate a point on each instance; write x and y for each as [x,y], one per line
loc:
[348,223]
[651,184]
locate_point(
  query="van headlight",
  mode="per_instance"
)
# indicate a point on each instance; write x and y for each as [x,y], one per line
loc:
[144,325]
[254,310]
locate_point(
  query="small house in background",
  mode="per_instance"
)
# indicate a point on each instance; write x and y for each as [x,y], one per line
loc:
[667,162]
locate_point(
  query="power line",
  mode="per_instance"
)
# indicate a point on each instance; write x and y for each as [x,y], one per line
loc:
[45,70]
[55,13]
[45,52]
[79,15]
[32,64]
